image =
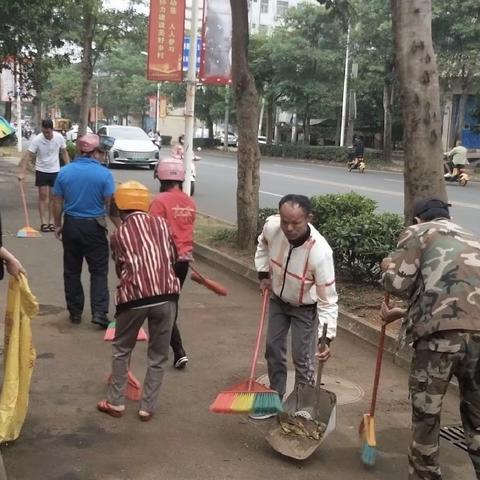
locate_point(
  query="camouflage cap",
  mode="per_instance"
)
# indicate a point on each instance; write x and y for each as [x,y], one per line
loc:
[431,208]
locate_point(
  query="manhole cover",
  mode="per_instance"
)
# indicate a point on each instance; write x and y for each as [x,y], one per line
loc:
[347,392]
[455,435]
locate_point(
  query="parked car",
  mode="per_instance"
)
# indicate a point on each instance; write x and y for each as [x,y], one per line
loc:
[232,139]
[72,134]
[132,147]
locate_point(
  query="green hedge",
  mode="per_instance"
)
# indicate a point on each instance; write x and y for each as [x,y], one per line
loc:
[327,153]
[205,142]
[360,238]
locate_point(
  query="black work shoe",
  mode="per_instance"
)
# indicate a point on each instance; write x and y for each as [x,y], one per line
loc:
[180,360]
[76,318]
[101,320]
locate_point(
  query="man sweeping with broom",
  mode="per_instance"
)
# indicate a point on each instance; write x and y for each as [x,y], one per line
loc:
[295,263]
[144,255]
[437,266]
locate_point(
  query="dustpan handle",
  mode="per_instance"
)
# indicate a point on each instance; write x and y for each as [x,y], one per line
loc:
[318,383]
[24,202]
[266,298]
[378,367]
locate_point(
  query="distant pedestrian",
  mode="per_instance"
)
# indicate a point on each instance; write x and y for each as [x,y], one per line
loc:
[83,192]
[179,210]
[295,263]
[148,289]
[45,149]
[437,268]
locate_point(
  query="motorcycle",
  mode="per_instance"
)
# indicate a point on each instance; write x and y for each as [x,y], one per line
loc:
[459,174]
[357,163]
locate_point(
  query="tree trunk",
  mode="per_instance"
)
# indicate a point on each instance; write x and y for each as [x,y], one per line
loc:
[306,130]
[8,111]
[387,120]
[210,128]
[86,64]
[246,99]
[269,121]
[462,105]
[417,68]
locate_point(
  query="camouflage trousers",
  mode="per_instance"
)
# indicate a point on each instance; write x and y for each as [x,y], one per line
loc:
[437,358]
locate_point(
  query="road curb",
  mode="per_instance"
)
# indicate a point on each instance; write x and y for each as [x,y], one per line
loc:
[346,320]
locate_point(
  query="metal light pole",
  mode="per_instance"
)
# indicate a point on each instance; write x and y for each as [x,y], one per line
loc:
[157,109]
[19,105]
[226,120]
[345,87]
[190,99]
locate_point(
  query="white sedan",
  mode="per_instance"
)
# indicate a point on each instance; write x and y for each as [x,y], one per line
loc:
[132,147]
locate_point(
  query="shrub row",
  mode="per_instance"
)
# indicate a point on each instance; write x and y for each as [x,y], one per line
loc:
[327,153]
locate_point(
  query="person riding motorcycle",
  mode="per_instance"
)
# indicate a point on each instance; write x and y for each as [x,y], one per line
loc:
[178,151]
[459,159]
[357,155]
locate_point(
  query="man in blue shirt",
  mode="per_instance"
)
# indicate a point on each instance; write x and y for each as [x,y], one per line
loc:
[83,192]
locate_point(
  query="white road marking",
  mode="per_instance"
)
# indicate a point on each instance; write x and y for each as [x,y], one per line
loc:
[270,193]
[392,180]
[337,184]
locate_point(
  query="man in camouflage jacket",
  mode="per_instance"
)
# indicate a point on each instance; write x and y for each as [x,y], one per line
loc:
[437,268]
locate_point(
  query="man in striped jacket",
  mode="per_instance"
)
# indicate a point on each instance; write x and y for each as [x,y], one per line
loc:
[144,254]
[296,264]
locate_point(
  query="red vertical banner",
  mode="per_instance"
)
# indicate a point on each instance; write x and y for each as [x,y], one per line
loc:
[165,40]
[216,61]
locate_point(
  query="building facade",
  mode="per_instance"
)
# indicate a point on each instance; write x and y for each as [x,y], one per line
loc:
[264,15]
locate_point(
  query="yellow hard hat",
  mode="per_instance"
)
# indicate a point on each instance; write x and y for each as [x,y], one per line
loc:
[132,195]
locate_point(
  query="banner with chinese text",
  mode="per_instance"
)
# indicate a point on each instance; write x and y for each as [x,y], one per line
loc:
[165,40]
[216,63]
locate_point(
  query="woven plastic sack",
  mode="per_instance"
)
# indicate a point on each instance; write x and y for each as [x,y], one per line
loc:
[19,358]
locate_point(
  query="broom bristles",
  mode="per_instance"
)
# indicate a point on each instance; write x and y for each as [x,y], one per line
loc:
[368,451]
[247,397]
[28,232]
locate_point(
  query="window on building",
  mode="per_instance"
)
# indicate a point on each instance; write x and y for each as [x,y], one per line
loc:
[282,7]
[264,6]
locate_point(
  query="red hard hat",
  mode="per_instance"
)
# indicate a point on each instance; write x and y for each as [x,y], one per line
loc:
[88,143]
[171,169]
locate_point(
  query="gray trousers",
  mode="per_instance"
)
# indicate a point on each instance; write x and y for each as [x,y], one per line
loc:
[128,323]
[303,322]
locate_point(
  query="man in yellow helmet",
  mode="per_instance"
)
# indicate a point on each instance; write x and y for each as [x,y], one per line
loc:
[144,254]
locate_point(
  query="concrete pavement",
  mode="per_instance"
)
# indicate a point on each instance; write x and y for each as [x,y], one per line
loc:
[65,438]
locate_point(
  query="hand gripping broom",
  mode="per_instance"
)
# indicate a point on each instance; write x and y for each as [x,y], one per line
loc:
[367,425]
[250,396]
[27,231]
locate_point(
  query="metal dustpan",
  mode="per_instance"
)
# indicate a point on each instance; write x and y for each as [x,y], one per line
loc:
[309,416]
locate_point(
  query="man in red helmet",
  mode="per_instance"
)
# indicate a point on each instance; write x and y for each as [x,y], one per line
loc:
[179,210]
[82,192]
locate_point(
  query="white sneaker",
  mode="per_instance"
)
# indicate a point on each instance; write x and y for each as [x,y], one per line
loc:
[262,416]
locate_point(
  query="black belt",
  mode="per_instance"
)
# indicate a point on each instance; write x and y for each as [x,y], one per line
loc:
[280,300]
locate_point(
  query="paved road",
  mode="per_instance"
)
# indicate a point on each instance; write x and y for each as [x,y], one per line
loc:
[216,186]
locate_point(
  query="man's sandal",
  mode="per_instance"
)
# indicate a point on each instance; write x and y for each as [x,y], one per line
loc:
[109,409]
[44,228]
[51,227]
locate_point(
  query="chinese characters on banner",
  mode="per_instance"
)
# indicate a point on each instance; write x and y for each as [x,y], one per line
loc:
[216,63]
[165,40]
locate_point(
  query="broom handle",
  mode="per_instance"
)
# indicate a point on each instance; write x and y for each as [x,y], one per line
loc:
[24,202]
[266,297]
[378,367]
[194,270]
